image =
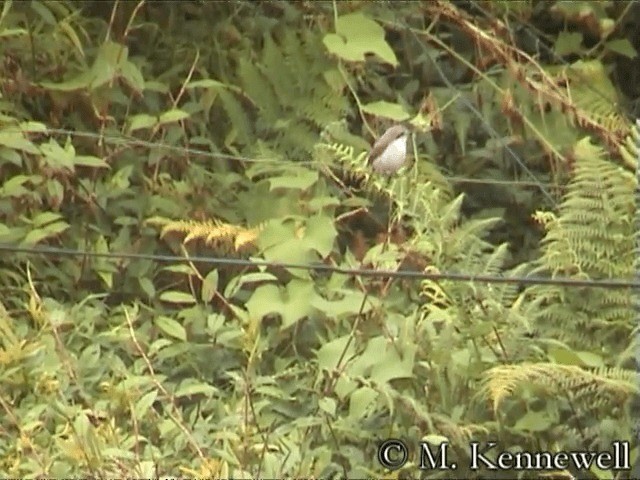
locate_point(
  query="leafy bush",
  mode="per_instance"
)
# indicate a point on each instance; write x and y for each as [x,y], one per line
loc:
[194,155]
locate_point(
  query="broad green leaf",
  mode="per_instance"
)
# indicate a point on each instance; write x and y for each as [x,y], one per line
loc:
[329,354]
[55,190]
[565,356]
[79,82]
[328,405]
[238,282]
[191,387]
[158,345]
[147,286]
[111,56]
[568,42]
[391,366]
[11,156]
[43,12]
[171,116]
[36,236]
[117,453]
[622,46]
[209,286]
[171,327]
[356,36]
[143,405]
[181,268]
[71,34]
[320,234]
[44,218]
[59,157]
[206,83]
[384,109]
[132,75]
[349,303]
[302,180]
[16,140]
[90,161]
[292,302]
[32,127]
[360,401]
[140,121]
[590,359]
[382,362]
[173,296]
[13,186]
[13,32]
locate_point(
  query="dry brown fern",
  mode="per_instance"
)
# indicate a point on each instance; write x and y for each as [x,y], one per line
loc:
[221,236]
[501,382]
[608,126]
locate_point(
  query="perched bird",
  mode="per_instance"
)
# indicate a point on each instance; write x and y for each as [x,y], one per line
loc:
[389,152]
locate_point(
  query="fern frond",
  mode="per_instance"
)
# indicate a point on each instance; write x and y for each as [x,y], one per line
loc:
[590,237]
[213,233]
[502,381]
[592,92]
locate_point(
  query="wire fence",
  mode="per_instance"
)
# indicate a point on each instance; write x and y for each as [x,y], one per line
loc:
[226,262]
[127,141]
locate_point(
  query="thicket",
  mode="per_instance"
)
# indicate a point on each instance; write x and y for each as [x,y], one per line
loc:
[139,132]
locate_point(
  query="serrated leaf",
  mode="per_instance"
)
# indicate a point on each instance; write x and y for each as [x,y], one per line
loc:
[171,327]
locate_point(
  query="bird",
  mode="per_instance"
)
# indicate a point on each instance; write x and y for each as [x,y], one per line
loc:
[389,152]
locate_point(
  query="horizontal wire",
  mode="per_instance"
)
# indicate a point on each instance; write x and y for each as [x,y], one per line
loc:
[320,267]
[133,142]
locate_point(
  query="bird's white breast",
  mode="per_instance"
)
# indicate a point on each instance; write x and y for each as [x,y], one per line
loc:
[393,157]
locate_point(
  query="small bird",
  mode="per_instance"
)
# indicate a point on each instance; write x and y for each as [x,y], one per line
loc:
[389,152]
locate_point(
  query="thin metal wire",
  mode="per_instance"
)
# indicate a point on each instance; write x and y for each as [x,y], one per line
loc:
[222,262]
[129,141]
[230,262]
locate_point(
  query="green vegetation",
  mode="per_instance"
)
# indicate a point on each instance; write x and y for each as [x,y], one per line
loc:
[239,130]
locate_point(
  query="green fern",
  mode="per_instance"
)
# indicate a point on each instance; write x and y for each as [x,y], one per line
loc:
[287,83]
[592,238]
